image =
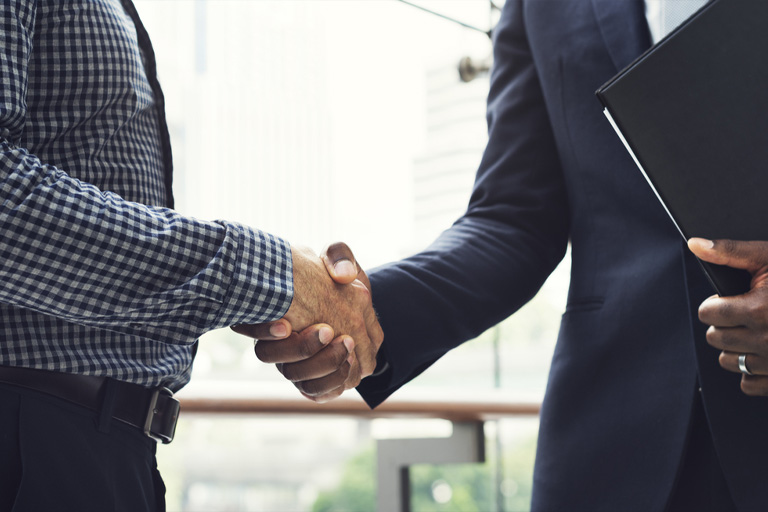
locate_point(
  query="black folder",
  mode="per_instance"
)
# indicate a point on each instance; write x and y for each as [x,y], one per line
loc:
[693,112]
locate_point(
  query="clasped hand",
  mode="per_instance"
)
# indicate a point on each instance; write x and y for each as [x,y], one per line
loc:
[739,324]
[331,296]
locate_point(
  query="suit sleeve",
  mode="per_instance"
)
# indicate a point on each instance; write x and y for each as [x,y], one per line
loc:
[499,253]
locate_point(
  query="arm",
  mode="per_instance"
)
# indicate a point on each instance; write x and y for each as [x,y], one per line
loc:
[321,370]
[498,254]
[739,324]
[495,257]
[90,257]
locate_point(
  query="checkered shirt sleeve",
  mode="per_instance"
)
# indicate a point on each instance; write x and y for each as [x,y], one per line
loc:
[92,279]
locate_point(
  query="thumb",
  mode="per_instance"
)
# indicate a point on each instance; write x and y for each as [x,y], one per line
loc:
[340,263]
[277,330]
[751,256]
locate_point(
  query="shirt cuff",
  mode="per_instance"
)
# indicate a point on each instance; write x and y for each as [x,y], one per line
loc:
[261,287]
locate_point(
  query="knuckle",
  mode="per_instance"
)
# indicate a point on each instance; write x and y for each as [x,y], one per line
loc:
[327,397]
[262,354]
[748,387]
[309,397]
[760,312]
[714,337]
[339,356]
[361,296]
[723,359]
[306,387]
[755,311]
[379,336]
[727,246]
[358,325]
[353,382]
[753,385]
[291,373]
[709,308]
[703,312]
[367,367]
[339,247]
[317,387]
[722,308]
[306,348]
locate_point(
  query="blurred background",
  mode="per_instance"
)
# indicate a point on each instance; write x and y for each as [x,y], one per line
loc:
[326,120]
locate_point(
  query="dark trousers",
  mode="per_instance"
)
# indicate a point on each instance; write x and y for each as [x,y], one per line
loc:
[700,486]
[56,456]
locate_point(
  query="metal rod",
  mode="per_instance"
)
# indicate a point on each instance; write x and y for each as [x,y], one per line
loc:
[439,15]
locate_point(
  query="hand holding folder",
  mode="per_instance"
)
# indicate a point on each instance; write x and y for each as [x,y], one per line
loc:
[739,324]
[693,112]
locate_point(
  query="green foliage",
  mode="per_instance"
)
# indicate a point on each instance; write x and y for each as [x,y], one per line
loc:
[468,487]
[357,490]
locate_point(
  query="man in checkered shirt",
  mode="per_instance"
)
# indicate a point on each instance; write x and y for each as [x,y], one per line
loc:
[103,287]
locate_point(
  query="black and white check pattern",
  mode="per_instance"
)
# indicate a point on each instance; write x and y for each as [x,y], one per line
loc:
[96,276]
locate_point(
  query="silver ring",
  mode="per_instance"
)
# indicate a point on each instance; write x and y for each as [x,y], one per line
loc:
[743,364]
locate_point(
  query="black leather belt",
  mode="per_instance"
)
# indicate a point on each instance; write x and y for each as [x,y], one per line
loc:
[154,411]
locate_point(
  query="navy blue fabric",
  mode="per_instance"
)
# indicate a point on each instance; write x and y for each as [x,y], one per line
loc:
[57,456]
[700,485]
[630,352]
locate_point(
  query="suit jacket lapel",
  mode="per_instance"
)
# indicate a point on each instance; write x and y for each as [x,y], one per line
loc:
[624,29]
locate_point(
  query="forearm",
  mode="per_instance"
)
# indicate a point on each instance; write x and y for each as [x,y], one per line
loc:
[465,283]
[74,252]
[494,258]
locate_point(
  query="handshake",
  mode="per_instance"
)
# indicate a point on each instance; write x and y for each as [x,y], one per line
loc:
[328,340]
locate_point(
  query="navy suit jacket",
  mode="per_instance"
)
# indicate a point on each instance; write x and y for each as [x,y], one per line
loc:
[631,353]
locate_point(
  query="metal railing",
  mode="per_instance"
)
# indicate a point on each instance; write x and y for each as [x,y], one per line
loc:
[394,456]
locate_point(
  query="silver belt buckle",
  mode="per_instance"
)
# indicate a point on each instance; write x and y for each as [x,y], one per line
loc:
[160,424]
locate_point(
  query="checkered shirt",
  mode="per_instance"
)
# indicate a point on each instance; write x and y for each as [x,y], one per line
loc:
[97,275]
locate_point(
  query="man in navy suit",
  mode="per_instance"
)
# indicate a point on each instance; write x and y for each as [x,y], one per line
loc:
[639,413]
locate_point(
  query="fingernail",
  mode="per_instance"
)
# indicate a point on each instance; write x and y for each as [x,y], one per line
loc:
[349,343]
[325,334]
[703,243]
[344,267]
[278,330]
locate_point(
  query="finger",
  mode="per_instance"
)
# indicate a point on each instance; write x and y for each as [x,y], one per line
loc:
[754,385]
[367,331]
[297,347]
[322,364]
[325,385]
[340,263]
[376,335]
[355,372]
[736,339]
[277,330]
[757,365]
[321,399]
[363,278]
[727,311]
[750,256]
